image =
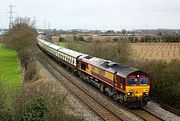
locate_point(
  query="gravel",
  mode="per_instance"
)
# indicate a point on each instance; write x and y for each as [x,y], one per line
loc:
[155,108]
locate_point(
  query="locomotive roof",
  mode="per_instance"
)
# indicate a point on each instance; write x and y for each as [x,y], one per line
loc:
[124,72]
[108,65]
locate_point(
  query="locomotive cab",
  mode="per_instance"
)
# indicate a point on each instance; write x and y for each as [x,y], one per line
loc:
[137,87]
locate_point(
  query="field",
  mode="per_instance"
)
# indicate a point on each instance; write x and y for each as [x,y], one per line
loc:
[157,51]
[9,70]
[152,51]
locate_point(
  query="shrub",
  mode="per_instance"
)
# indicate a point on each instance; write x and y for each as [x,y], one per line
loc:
[165,83]
[118,52]
[45,95]
[31,72]
[35,110]
[6,115]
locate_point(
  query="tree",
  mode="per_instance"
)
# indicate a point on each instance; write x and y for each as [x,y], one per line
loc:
[21,35]
[124,31]
[22,38]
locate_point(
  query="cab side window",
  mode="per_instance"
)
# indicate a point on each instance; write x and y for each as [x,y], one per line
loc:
[83,66]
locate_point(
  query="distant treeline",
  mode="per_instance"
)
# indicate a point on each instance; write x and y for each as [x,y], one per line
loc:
[131,38]
[155,38]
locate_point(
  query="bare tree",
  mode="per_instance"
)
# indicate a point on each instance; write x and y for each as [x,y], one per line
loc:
[22,38]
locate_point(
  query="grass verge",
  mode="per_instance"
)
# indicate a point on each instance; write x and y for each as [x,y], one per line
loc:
[9,71]
[63,44]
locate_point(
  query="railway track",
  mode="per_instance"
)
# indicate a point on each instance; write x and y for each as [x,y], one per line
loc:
[105,109]
[145,115]
[102,111]
[170,109]
[167,107]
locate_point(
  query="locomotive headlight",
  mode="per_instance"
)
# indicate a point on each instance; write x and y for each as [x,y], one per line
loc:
[146,93]
[128,93]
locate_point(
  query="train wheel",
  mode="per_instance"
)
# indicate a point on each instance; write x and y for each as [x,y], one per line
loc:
[115,97]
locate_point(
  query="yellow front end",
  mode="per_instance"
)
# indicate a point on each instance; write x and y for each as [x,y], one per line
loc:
[137,96]
[137,91]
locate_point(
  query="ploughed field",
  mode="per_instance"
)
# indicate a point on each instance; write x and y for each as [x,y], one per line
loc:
[151,51]
[157,51]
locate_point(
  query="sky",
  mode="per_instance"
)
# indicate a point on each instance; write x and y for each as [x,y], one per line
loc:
[95,14]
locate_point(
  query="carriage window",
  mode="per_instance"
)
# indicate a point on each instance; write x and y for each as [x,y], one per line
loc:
[132,81]
[143,81]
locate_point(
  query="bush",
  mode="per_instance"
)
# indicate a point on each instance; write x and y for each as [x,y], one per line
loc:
[5,113]
[31,72]
[118,52]
[45,95]
[165,83]
[35,110]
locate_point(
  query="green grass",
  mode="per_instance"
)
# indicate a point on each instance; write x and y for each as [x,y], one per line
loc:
[63,44]
[9,71]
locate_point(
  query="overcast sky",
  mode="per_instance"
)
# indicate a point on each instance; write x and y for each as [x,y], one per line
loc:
[96,14]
